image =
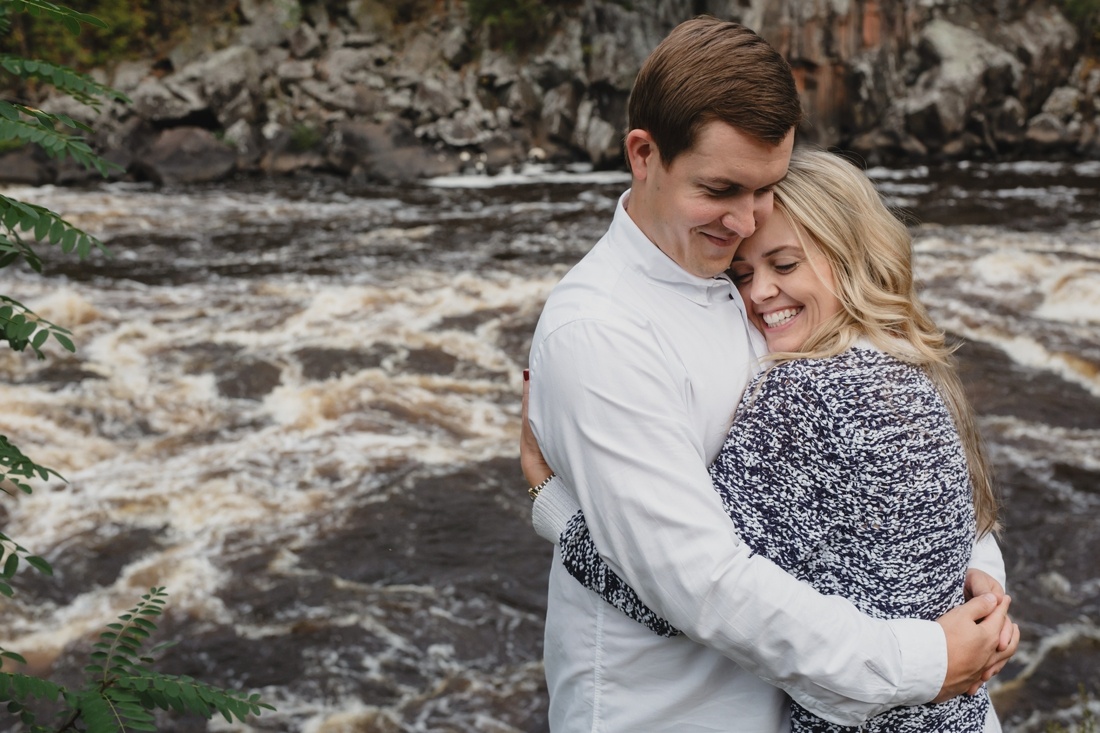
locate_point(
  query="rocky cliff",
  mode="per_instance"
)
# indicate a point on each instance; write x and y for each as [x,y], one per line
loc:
[355,88]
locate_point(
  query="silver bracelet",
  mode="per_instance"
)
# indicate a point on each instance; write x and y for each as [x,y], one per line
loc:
[534,491]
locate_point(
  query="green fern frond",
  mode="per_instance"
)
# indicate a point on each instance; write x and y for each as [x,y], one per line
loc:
[80,87]
[116,654]
[46,225]
[5,654]
[22,327]
[186,695]
[16,466]
[11,552]
[15,689]
[19,122]
[97,713]
[68,18]
[22,686]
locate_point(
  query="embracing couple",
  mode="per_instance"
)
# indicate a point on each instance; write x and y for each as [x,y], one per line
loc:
[745,343]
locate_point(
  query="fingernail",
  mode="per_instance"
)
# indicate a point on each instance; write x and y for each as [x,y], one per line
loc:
[526,375]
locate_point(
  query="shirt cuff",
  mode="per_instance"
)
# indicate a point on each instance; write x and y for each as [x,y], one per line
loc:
[552,510]
[987,556]
[923,648]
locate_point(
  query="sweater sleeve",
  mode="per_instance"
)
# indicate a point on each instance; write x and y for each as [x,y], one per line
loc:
[774,475]
[627,452]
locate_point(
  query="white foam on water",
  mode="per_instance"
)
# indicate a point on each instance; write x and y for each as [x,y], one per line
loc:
[1008,288]
[1037,446]
[529,174]
[879,173]
[1072,295]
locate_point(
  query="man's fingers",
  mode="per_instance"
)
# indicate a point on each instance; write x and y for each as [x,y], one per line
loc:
[998,615]
[979,607]
[1001,657]
[1006,634]
[1008,641]
[979,582]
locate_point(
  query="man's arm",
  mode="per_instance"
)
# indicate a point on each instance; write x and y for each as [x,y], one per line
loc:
[641,479]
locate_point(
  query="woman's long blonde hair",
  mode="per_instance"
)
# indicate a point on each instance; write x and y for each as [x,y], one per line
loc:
[869,250]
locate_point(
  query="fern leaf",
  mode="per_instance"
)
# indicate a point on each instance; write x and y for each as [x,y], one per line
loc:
[56,144]
[97,713]
[5,654]
[14,465]
[118,648]
[47,225]
[21,686]
[69,18]
[77,85]
[184,694]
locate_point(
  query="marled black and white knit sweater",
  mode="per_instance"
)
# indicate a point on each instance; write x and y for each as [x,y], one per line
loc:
[848,473]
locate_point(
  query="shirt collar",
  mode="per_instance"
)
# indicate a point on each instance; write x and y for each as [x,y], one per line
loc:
[647,258]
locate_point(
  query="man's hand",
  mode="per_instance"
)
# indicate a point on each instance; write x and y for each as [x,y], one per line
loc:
[979,582]
[974,631]
[534,466]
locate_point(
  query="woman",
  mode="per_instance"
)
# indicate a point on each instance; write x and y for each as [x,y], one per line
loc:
[854,461]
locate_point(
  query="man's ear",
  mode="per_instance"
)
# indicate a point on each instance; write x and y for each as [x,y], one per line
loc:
[641,153]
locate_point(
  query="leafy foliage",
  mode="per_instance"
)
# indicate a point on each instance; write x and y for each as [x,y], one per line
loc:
[120,691]
[23,226]
[1086,15]
[514,24]
[122,29]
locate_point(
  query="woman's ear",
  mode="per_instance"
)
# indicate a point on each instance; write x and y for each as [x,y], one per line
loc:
[641,153]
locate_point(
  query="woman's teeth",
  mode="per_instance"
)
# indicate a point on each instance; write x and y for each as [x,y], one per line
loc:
[778,318]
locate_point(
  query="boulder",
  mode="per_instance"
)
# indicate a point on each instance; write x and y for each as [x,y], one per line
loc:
[185,155]
[1045,132]
[268,22]
[28,165]
[1008,123]
[961,62]
[385,152]
[559,112]
[1046,44]
[600,139]
[304,41]
[156,102]
[1064,103]
[356,99]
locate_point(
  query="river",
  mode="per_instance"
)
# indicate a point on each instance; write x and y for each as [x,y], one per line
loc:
[295,404]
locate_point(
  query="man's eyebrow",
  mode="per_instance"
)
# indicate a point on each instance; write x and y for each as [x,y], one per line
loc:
[721,182]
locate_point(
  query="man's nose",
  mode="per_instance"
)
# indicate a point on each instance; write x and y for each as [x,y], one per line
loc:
[740,219]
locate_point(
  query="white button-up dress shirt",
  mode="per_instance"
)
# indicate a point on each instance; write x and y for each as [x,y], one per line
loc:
[637,367]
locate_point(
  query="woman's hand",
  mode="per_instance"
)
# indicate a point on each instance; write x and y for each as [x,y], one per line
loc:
[535,468]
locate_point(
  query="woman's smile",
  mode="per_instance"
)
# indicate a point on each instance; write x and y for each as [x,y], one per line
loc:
[786,283]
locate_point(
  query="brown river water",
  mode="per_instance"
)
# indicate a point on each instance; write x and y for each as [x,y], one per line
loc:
[295,404]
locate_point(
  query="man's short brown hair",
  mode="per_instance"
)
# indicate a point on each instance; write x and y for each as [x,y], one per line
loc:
[708,69]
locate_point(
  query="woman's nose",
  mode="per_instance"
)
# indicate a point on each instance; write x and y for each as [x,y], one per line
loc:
[763,287]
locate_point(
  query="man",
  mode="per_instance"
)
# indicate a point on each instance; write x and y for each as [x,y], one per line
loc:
[639,358]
